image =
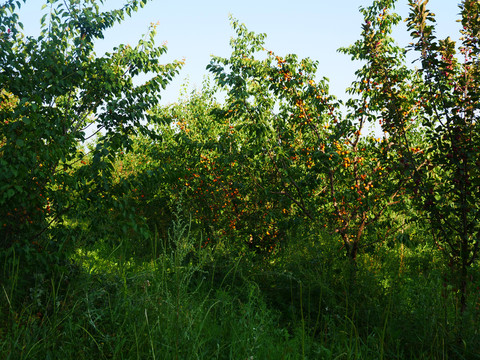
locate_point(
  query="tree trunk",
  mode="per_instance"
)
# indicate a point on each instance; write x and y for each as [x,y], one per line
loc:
[463,275]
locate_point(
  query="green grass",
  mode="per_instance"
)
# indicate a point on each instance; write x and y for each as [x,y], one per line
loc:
[189,302]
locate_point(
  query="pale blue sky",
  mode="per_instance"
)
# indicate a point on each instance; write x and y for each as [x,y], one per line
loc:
[196,29]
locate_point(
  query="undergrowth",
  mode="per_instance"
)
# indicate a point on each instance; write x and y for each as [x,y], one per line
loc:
[191,302]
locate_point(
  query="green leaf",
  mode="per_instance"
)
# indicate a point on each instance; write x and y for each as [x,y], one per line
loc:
[10,192]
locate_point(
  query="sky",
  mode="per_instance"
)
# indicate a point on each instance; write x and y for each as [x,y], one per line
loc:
[195,30]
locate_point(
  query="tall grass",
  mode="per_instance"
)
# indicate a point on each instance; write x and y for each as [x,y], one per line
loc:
[175,306]
[185,301]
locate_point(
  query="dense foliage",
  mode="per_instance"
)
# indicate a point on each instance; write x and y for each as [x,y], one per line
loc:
[256,218]
[55,88]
